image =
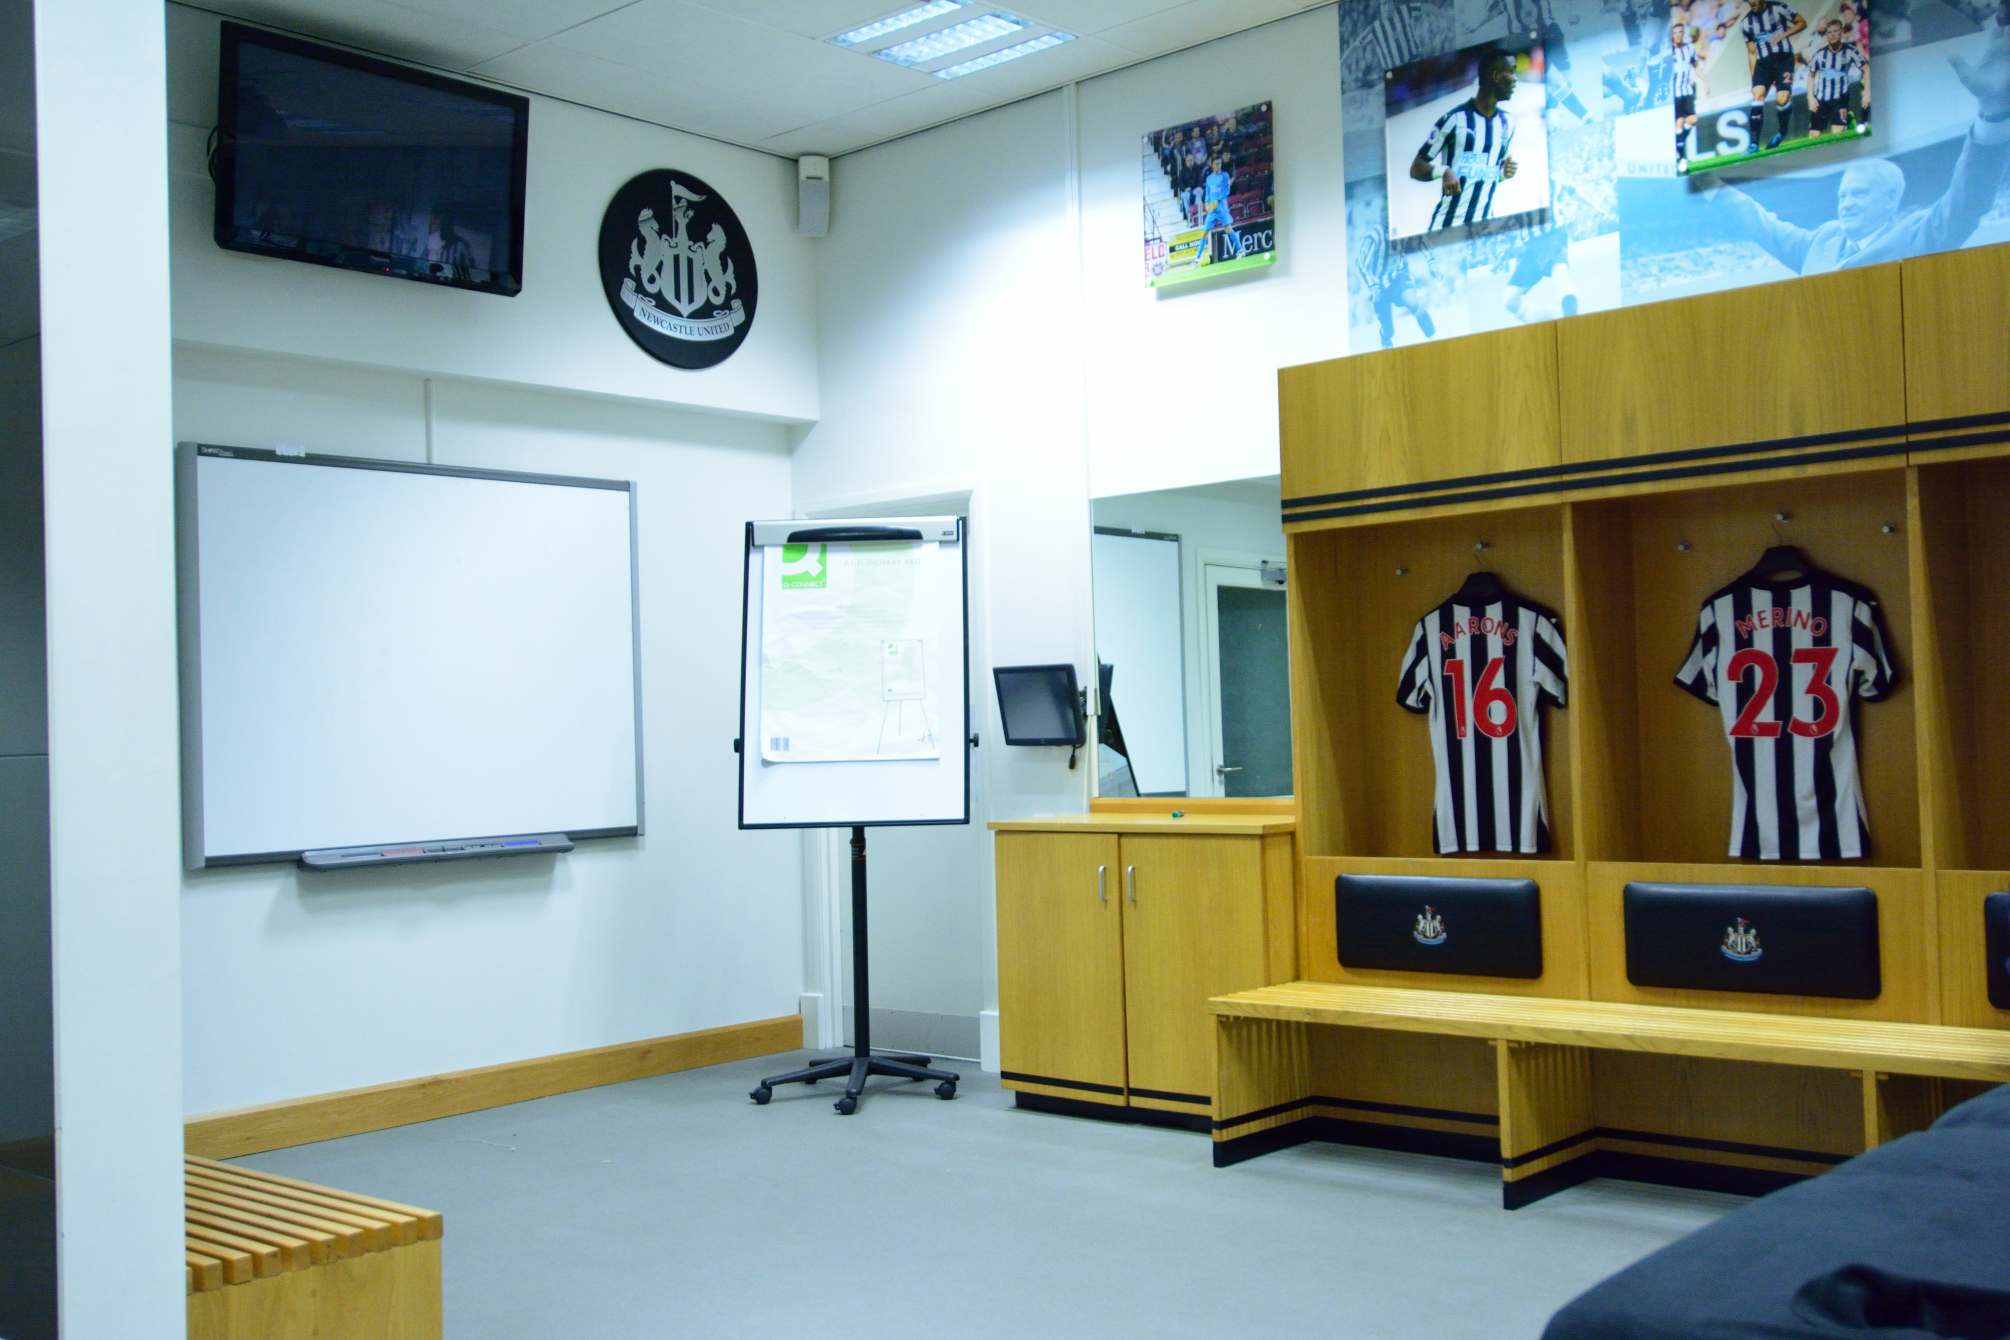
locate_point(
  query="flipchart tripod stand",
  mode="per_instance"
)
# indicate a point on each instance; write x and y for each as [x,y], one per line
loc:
[861,1065]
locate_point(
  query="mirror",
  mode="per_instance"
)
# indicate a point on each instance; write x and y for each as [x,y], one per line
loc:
[1194,698]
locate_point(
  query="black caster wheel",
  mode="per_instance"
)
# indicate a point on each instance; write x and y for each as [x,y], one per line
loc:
[946,1089]
[762,1095]
[846,1105]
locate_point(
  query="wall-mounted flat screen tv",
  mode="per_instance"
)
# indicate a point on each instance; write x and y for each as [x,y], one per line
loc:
[326,156]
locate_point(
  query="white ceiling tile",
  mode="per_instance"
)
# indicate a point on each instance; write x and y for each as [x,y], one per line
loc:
[810,18]
[578,77]
[377,25]
[526,19]
[719,59]
[1090,16]
[949,99]
[1196,21]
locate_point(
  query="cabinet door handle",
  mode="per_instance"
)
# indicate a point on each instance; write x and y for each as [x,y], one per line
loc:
[1102,892]
[1131,883]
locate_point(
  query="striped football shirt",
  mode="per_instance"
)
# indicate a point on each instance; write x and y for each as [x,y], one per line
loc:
[1481,673]
[1471,148]
[1685,70]
[1766,29]
[1781,661]
[1833,70]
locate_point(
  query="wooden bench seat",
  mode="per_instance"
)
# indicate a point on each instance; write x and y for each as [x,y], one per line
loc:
[272,1256]
[1265,1098]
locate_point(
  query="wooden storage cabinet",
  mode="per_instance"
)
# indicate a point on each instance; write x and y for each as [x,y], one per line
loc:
[1638,410]
[1112,938]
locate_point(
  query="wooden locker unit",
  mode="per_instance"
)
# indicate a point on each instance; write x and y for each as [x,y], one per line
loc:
[1888,463]
[1957,362]
[1114,928]
[1382,421]
[1805,359]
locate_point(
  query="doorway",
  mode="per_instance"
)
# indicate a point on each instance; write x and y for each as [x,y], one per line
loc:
[1245,658]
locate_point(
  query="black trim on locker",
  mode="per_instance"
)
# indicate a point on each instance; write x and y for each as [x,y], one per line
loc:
[1553,1147]
[1604,481]
[1963,421]
[1357,1105]
[1591,467]
[1722,1146]
[1084,1085]
[1112,1112]
[1402,1110]
[1165,1096]
[1957,443]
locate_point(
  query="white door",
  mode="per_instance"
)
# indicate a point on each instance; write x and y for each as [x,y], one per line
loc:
[1247,688]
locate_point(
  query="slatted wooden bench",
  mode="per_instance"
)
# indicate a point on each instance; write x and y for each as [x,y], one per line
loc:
[269,1256]
[1265,1092]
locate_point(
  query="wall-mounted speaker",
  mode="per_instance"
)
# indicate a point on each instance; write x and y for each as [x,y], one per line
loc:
[813,195]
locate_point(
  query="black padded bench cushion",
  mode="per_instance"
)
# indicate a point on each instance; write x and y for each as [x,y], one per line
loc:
[1903,1243]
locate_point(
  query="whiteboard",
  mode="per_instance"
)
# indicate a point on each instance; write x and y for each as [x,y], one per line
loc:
[1136,578]
[876,791]
[376,652]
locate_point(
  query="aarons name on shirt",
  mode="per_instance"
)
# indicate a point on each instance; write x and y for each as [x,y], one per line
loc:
[1480,626]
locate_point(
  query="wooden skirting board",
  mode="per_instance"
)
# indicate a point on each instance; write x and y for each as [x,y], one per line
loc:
[328,1116]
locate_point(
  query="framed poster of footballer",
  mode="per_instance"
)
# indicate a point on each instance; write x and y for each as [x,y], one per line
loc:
[1210,197]
[1465,138]
[1766,77]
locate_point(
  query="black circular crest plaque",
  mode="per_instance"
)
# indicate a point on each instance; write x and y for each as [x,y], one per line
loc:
[678,269]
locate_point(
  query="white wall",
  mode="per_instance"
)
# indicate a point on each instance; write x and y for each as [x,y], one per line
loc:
[951,360]
[1207,521]
[113,771]
[368,976]
[1182,382]
[392,974]
[558,333]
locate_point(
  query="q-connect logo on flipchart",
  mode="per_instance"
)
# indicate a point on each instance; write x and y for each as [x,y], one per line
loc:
[805,566]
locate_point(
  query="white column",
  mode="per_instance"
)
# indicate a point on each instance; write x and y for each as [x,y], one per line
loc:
[107,435]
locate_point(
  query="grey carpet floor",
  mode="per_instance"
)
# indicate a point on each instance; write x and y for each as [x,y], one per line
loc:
[674,1207]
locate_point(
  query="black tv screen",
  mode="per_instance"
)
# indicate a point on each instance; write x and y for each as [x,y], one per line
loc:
[326,156]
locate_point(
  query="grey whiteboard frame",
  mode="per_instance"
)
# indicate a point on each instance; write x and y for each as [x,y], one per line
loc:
[941,529]
[188,603]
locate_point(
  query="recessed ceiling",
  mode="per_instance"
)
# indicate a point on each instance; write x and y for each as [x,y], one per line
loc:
[758,73]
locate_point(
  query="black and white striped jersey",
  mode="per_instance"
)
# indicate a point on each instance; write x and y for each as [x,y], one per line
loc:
[1782,660]
[1482,672]
[1766,29]
[1471,147]
[1685,70]
[1833,70]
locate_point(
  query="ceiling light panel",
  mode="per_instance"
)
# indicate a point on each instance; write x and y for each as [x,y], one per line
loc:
[893,23]
[947,41]
[1003,54]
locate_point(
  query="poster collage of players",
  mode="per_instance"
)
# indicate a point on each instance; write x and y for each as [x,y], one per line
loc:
[1508,161]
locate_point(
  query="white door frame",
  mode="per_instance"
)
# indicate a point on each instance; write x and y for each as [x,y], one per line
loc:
[827,851]
[1221,567]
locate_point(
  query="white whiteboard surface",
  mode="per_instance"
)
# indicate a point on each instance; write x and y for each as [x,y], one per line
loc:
[867,793]
[379,653]
[1136,581]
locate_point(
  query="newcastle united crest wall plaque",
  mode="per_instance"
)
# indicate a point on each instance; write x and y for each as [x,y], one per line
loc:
[678,269]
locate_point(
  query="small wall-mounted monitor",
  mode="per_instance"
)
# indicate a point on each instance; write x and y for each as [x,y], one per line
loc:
[1039,704]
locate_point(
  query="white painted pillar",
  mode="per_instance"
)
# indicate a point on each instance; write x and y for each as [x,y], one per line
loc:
[107,435]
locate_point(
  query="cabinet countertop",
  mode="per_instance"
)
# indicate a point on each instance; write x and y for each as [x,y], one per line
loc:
[1195,825]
